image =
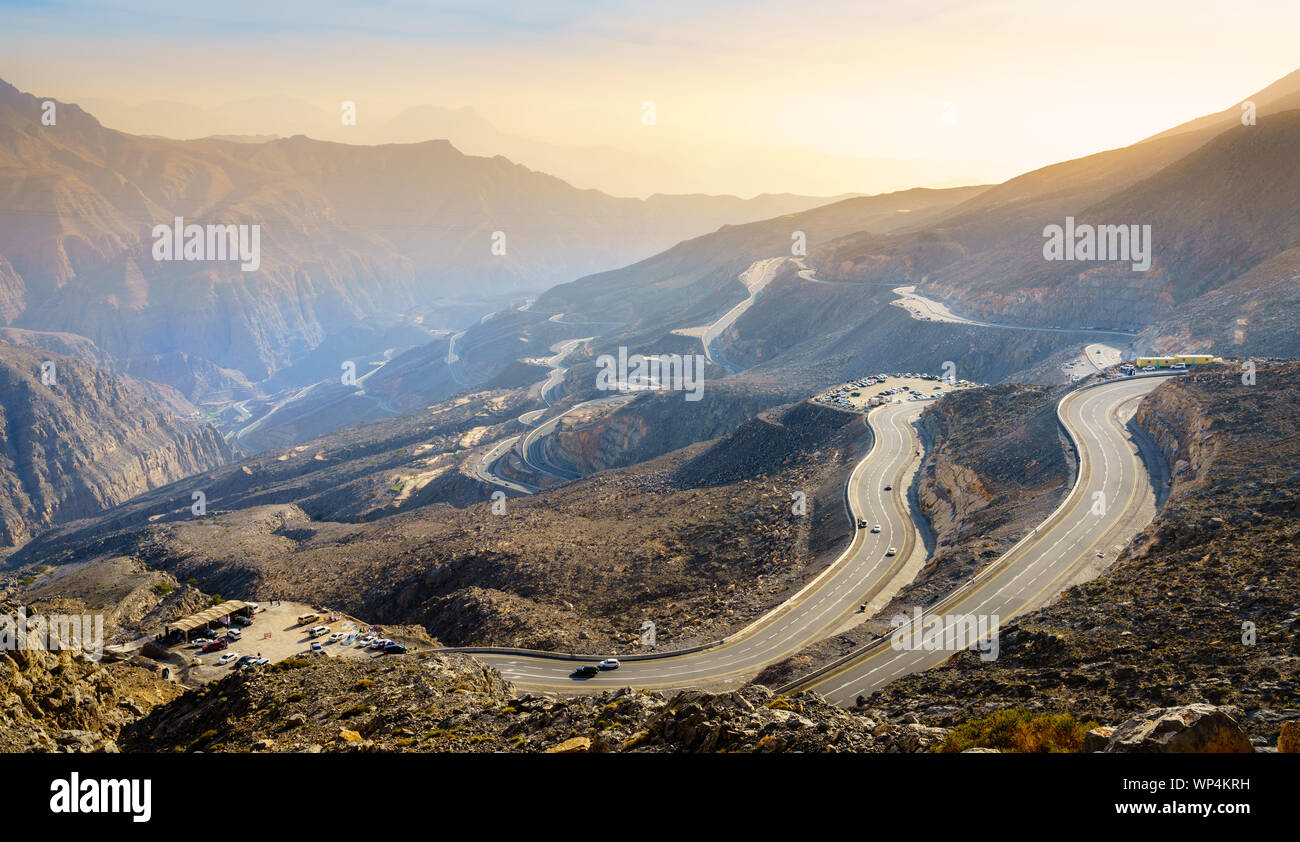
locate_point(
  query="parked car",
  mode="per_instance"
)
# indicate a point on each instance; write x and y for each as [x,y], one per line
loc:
[394,649]
[234,634]
[337,636]
[316,647]
[215,645]
[244,621]
[609,664]
[319,630]
[380,643]
[366,641]
[227,658]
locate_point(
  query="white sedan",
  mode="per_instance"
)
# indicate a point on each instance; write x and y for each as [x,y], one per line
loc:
[227,658]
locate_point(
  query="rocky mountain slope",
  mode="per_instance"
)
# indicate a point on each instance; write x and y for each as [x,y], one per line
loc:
[578,567]
[1219,197]
[346,232]
[84,443]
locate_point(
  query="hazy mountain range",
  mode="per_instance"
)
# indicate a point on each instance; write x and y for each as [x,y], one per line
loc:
[635,166]
[345,232]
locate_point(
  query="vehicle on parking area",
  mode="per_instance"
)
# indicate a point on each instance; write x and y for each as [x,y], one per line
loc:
[394,649]
[380,643]
[862,523]
[316,647]
[215,646]
[227,658]
[308,618]
[319,630]
[337,636]
[609,664]
[586,670]
[234,634]
[244,621]
[366,641]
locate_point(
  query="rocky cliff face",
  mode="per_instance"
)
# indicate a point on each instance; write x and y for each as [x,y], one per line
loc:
[84,442]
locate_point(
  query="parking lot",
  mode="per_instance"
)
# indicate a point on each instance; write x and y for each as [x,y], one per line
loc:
[276,634]
[890,388]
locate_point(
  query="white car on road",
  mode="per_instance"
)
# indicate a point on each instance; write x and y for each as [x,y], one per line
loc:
[875,528]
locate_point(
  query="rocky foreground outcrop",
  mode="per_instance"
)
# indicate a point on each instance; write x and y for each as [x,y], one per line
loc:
[62,701]
[453,703]
[1189,729]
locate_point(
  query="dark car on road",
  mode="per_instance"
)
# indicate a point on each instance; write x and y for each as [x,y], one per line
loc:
[586,670]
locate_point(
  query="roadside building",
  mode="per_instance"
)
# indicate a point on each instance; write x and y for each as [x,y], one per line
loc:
[220,614]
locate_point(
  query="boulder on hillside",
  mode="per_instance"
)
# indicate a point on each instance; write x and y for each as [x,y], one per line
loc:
[1196,728]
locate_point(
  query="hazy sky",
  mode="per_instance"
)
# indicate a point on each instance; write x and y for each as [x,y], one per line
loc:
[1029,81]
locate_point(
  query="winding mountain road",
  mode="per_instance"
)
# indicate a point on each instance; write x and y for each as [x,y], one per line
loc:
[755,278]
[1026,577]
[1111,501]
[860,572]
